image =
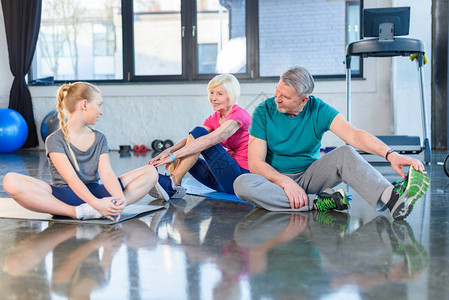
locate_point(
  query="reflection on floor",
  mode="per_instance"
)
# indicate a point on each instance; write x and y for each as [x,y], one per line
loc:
[203,248]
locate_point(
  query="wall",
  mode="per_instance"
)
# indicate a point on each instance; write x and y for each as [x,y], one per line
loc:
[140,113]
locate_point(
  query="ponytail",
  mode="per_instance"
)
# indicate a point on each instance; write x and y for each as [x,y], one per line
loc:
[62,95]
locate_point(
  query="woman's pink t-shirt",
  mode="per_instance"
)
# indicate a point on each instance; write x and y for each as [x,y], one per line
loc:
[237,144]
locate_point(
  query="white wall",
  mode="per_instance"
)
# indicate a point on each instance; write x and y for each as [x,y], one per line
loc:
[139,113]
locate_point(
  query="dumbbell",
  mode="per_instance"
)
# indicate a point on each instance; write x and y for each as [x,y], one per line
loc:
[141,148]
[160,145]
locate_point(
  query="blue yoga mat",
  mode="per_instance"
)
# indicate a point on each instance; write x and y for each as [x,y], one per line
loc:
[194,187]
[221,196]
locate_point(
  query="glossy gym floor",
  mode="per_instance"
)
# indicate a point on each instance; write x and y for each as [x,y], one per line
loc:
[202,248]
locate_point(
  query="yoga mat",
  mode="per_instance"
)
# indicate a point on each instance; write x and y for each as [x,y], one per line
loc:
[196,188]
[10,209]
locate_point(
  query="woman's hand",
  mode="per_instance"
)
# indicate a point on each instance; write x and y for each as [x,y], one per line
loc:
[167,161]
[161,156]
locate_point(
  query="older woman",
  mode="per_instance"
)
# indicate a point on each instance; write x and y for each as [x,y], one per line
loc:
[222,141]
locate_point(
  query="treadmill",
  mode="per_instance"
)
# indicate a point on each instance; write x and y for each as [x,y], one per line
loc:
[383,25]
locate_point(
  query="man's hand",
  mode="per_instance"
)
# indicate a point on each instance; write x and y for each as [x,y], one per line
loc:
[295,226]
[398,161]
[295,194]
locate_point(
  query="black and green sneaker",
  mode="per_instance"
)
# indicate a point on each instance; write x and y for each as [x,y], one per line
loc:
[330,201]
[404,243]
[335,219]
[400,237]
[406,192]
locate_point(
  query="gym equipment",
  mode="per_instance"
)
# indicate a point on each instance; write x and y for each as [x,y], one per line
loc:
[49,124]
[157,145]
[168,144]
[124,148]
[445,165]
[160,145]
[140,154]
[384,24]
[13,130]
[141,148]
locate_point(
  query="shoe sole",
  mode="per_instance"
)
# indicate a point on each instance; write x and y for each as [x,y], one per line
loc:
[345,199]
[417,185]
[158,192]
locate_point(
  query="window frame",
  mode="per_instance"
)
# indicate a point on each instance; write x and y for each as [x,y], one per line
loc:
[190,50]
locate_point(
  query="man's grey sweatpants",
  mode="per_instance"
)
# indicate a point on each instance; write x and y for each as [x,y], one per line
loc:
[343,164]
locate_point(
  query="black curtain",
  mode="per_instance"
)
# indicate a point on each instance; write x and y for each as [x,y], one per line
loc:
[22,23]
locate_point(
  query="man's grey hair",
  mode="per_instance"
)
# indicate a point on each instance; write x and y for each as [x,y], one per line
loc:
[300,79]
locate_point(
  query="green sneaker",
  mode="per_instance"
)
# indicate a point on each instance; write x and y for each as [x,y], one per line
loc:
[404,242]
[336,220]
[405,193]
[330,201]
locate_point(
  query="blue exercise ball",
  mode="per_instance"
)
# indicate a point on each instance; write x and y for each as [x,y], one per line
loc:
[13,130]
[50,124]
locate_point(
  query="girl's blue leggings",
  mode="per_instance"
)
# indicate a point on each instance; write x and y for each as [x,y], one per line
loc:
[65,194]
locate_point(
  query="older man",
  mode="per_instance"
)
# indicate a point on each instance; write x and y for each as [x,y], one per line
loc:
[284,157]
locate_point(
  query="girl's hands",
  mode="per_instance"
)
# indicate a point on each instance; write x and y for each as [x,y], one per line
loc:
[111,207]
[111,238]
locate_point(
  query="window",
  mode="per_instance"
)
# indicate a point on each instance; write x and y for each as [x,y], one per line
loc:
[157,37]
[221,23]
[207,58]
[306,33]
[79,40]
[353,31]
[166,40]
[104,40]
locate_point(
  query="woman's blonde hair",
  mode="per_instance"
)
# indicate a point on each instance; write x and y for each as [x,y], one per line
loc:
[68,96]
[229,83]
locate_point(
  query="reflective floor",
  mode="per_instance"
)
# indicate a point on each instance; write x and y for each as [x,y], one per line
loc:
[202,248]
